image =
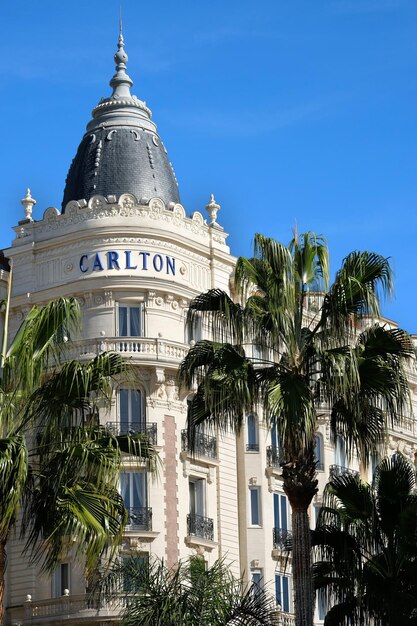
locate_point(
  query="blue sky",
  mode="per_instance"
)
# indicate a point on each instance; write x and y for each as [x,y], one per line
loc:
[291,112]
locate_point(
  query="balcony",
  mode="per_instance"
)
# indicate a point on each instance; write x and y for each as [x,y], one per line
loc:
[140,518]
[204,445]
[152,350]
[135,428]
[339,470]
[281,538]
[273,456]
[252,447]
[199,526]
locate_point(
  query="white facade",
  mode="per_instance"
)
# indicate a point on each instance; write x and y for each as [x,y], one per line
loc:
[135,265]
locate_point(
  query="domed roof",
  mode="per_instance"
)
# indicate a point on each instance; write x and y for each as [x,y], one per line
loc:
[121,152]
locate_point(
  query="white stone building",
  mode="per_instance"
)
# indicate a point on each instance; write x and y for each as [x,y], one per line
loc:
[124,245]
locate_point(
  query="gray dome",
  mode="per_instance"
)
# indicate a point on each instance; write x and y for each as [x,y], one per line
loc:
[121,151]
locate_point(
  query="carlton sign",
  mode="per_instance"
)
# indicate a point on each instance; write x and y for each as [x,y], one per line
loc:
[140,261]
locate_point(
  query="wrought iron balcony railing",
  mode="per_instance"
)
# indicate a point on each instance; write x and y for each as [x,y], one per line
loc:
[252,447]
[281,537]
[140,518]
[273,456]
[339,470]
[204,445]
[199,526]
[135,428]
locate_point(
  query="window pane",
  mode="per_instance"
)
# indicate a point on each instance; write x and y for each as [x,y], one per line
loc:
[254,506]
[124,410]
[135,406]
[122,321]
[64,577]
[284,523]
[135,321]
[278,590]
[252,431]
[138,489]
[285,594]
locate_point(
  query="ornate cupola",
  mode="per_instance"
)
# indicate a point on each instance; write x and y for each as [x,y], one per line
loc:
[121,151]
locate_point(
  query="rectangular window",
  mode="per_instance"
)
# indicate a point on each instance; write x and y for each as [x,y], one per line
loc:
[340,452]
[321,605]
[61,580]
[134,570]
[130,322]
[255,506]
[282,595]
[131,412]
[197,496]
[193,332]
[252,432]
[133,489]
[257,580]
[280,511]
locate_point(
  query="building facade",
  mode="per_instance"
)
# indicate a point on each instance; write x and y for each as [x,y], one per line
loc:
[125,247]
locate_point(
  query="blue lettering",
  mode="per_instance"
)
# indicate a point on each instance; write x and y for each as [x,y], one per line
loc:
[113,260]
[157,266]
[97,266]
[128,265]
[83,258]
[145,259]
[170,265]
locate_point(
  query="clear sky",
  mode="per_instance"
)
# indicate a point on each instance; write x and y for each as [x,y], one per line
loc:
[289,111]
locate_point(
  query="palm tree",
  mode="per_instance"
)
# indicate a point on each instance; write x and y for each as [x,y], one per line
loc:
[186,595]
[59,468]
[366,547]
[312,352]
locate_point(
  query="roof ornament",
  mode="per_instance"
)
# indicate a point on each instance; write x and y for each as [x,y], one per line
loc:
[212,209]
[121,82]
[28,203]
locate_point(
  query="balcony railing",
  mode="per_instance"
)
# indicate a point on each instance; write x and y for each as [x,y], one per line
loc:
[199,526]
[281,538]
[273,456]
[339,470]
[143,348]
[140,518]
[204,445]
[252,447]
[135,428]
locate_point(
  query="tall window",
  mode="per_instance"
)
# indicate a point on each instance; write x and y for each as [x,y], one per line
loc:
[132,417]
[280,511]
[252,433]
[282,592]
[322,606]
[133,489]
[61,579]
[318,451]
[132,566]
[255,506]
[130,320]
[340,452]
[193,332]
[197,490]
[256,580]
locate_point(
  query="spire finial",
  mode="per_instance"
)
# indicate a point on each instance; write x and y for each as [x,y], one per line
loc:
[121,82]
[212,209]
[28,203]
[121,40]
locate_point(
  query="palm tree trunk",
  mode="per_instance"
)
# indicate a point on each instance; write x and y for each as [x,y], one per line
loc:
[300,485]
[302,569]
[2,571]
